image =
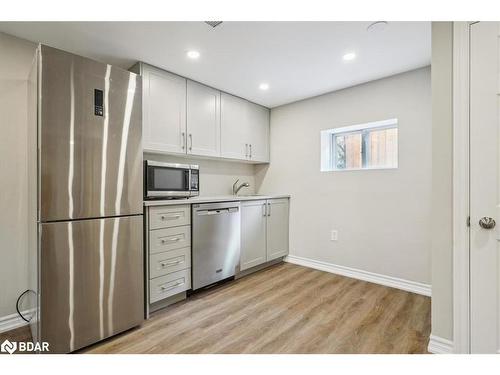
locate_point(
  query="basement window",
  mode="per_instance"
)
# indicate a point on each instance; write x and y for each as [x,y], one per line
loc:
[373,145]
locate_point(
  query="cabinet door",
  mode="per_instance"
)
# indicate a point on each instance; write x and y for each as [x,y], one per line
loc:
[277,228]
[253,234]
[164,111]
[203,120]
[259,132]
[234,127]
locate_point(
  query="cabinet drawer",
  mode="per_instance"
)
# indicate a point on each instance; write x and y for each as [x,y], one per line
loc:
[166,286]
[170,261]
[169,216]
[161,240]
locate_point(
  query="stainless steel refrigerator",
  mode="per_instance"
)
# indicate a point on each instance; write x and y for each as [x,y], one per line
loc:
[87,200]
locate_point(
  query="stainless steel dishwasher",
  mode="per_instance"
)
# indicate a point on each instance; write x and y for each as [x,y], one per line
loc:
[215,242]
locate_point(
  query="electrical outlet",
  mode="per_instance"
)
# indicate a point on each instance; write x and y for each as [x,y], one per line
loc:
[334,235]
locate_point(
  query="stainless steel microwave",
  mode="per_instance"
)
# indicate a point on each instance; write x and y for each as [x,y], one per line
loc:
[169,180]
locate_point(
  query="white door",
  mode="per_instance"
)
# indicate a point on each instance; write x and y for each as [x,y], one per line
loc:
[164,106]
[235,142]
[259,132]
[277,228]
[484,187]
[203,120]
[253,234]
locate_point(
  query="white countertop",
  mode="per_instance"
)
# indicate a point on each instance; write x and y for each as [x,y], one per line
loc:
[220,198]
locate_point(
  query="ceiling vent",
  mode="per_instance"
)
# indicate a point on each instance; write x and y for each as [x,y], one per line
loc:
[377,27]
[213,23]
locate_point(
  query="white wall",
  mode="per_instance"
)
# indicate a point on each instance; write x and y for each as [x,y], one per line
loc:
[382,216]
[15,63]
[216,177]
[442,180]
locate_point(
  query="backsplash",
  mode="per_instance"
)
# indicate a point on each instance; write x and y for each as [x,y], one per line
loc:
[216,176]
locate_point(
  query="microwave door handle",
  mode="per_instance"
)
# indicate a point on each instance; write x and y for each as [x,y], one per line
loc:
[188,180]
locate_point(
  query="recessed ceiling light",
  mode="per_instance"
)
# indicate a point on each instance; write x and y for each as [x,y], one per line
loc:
[193,54]
[264,86]
[349,56]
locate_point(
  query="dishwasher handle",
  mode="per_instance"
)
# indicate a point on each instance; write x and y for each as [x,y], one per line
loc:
[217,211]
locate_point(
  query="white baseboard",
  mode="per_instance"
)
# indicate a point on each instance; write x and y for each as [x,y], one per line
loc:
[439,345]
[393,282]
[12,321]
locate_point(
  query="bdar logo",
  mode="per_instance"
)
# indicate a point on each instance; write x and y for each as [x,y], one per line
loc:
[21,347]
[8,347]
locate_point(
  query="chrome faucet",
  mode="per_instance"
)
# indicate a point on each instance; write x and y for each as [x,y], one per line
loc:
[237,189]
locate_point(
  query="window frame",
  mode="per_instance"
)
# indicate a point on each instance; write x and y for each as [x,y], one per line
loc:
[329,144]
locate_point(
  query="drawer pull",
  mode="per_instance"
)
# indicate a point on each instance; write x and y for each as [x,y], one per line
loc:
[170,217]
[167,288]
[168,264]
[175,239]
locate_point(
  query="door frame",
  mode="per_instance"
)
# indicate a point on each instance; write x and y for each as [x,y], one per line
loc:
[461,181]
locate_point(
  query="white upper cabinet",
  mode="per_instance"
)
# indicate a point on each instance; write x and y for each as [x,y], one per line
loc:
[244,129]
[185,117]
[203,120]
[164,111]
[234,127]
[259,132]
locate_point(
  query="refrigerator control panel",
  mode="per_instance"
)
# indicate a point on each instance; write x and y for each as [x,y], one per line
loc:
[98,102]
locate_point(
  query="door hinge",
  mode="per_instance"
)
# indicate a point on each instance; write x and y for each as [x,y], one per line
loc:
[468,221]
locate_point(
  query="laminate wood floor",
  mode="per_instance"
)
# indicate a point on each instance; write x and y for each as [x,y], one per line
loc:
[19,334]
[284,309]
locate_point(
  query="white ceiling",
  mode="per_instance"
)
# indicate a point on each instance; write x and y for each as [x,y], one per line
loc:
[297,59]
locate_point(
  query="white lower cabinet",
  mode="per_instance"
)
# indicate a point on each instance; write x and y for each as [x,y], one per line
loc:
[161,264]
[169,253]
[277,228]
[264,231]
[165,239]
[264,237]
[253,234]
[166,286]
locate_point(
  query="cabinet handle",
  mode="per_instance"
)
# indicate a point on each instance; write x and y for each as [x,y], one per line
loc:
[176,216]
[175,239]
[264,206]
[183,140]
[165,288]
[166,264]
[246,150]
[269,209]
[250,151]
[190,142]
